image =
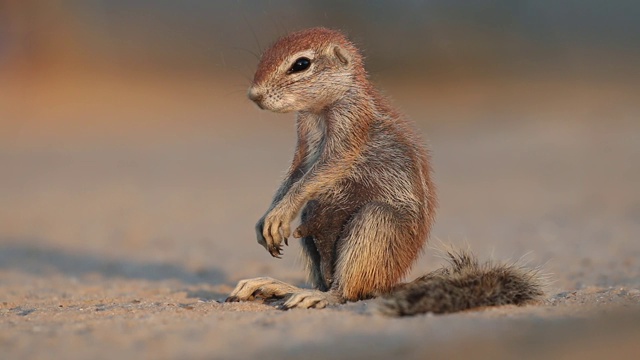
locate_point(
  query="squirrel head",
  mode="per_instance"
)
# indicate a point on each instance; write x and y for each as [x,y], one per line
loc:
[306,70]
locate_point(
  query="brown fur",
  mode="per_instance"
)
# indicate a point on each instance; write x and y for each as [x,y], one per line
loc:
[360,176]
[463,284]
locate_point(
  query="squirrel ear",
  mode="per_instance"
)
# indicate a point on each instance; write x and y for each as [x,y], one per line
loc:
[341,54]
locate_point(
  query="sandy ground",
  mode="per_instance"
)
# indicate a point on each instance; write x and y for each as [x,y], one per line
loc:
[128,209]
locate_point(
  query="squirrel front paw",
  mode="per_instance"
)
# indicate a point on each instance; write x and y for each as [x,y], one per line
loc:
[273,229]
[274,249]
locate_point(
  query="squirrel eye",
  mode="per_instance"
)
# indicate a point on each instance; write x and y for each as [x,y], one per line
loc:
[301,64]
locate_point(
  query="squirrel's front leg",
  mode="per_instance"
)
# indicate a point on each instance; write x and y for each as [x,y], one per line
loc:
[277,223]
[276,213]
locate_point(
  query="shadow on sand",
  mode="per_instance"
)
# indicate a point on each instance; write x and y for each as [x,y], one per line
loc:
[23,255]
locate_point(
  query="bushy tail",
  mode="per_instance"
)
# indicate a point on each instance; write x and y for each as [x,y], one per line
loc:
[463,284]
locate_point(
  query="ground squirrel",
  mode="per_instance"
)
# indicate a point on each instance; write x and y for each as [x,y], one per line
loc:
[361,179]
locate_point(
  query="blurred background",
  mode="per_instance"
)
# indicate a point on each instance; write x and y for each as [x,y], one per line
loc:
[128,147]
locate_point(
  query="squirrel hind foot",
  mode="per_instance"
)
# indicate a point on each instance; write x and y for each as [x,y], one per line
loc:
[307,299]
[464,284]
[282,295]
[262,287]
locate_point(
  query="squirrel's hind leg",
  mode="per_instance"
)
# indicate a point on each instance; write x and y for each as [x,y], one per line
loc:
[376,250]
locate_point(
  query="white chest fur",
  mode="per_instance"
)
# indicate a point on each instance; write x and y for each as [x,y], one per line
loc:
[313,128]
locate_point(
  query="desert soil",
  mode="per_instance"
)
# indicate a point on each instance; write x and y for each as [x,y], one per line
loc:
[128,209]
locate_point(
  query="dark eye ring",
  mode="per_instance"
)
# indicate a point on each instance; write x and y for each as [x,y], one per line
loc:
[301,64]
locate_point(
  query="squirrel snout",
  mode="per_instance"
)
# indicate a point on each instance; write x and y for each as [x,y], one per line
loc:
[255,96]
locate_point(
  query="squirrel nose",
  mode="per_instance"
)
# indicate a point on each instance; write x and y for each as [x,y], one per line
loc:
[255,95]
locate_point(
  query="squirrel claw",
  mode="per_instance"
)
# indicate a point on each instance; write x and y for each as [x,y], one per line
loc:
[276,251]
